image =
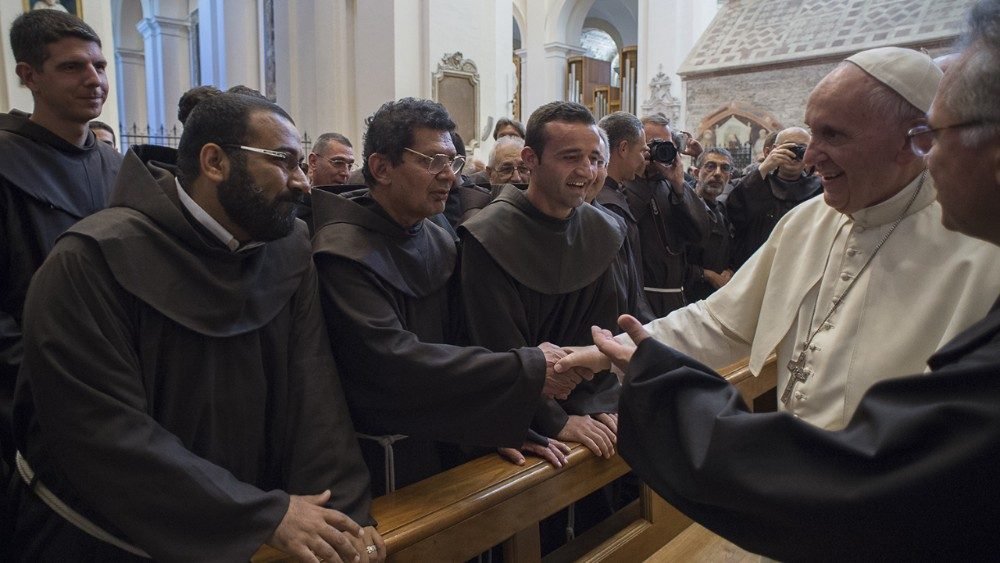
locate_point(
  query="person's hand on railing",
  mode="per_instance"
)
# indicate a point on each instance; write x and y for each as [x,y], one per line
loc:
[311,532]
[609,419]
[553,451]
[559,384]
[592,433]
[370,546]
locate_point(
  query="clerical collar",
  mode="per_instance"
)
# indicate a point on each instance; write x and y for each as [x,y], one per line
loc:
[213,226]
[890,209]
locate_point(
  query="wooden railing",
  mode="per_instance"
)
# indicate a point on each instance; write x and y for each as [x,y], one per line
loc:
[455,515]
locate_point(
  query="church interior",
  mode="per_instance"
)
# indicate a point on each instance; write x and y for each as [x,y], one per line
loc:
[727,72]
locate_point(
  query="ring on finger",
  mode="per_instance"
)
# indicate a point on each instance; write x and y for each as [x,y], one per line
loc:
[371,549]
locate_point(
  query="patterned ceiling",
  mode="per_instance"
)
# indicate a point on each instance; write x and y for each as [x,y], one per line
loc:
[760,32]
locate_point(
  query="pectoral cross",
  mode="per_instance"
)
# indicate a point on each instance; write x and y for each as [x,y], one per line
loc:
[797,374]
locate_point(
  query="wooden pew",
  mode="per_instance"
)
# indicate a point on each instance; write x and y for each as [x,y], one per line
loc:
[455,515]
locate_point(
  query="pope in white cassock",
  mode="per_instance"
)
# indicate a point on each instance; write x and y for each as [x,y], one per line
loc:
[861,285]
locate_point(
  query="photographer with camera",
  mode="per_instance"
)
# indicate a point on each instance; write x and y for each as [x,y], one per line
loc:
[760,199]
[669,216]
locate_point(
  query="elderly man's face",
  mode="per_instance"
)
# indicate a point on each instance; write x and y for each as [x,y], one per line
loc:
[509,131]
[509,167]
[792,136]
[713,175]
[968,186]
[856,151]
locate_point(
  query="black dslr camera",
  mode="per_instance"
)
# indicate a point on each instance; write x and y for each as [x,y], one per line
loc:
[662,151]
[799,151]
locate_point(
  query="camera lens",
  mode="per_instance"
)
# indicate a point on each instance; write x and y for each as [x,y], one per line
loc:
[799,151]
[662,151]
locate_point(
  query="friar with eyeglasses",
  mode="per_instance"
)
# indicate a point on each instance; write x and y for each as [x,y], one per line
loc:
[709,263]
[178,399]
[761,198]
[862,284]
[390,295]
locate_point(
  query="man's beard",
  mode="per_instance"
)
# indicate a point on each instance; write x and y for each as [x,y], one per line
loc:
[713,190]
[247,206]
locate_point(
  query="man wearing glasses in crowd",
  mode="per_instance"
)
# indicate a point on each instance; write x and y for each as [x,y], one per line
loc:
[331,160]
[710,261]
[506,165]
[386,273]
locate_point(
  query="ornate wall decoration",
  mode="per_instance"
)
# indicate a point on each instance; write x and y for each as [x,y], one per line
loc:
[660,99]
[455,85]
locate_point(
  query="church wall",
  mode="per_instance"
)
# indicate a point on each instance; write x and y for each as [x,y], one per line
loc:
[781,91]
[481,31]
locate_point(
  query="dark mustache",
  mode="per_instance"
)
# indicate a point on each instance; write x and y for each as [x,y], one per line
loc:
[293,198]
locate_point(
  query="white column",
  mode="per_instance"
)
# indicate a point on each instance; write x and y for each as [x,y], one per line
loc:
[168,73]
[375,61]
[535,90]
[131,93]
[555,69]
[230,43]
[665,47]
[327,104]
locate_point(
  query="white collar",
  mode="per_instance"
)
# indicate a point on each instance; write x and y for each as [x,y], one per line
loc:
[887,211]
[207,221]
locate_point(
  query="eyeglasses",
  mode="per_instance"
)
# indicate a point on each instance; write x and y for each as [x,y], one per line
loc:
[340,163]
[290,161]
[437,162]
[508,170]
[711,166]
[922,136]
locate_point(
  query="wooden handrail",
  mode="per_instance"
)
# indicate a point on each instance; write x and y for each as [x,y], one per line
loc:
[464,511]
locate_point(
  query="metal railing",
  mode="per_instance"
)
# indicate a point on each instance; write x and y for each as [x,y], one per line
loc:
[162,136]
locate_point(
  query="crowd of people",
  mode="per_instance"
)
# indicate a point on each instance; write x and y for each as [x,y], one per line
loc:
[233,344]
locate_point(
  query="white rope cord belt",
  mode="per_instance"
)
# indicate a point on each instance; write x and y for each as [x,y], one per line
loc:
[664,289]
[70,515]
[386,442]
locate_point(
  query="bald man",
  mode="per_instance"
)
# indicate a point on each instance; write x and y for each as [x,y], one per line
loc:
[761,198]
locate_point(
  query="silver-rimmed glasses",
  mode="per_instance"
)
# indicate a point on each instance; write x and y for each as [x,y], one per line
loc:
[922,136]
[340,163]
[713,166]
[290,161]
[436,163]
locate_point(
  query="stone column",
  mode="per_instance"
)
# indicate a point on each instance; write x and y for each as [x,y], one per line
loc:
[556,83]
[131,90]
[168,73]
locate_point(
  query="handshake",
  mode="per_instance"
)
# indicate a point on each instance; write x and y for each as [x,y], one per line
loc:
[566,367]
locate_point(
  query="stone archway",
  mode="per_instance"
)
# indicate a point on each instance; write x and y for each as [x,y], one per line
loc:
[737,126]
